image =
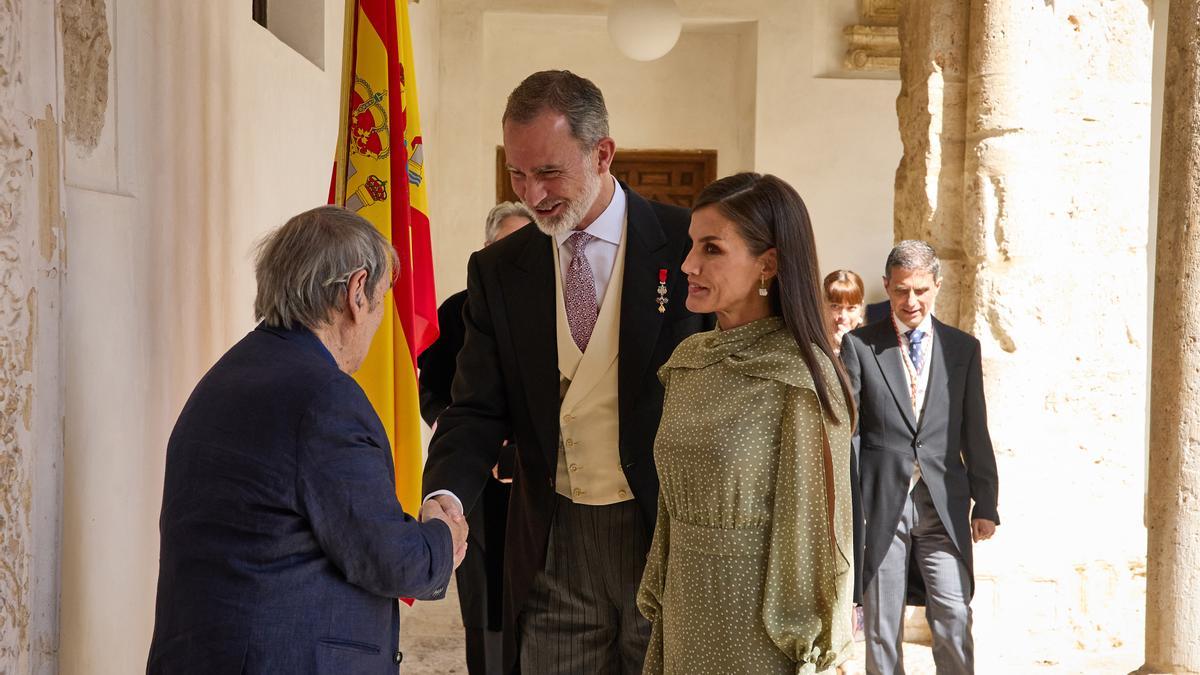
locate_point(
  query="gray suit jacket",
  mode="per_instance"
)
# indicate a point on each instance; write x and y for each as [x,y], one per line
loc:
[951,438]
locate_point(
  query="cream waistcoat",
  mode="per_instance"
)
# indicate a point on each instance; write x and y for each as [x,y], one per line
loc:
[589,457]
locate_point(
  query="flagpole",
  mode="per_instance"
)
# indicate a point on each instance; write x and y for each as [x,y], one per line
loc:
[342,154]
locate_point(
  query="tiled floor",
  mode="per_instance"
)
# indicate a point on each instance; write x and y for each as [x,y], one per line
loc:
[432,640]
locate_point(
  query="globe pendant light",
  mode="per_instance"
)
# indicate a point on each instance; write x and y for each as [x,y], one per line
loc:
[644,30]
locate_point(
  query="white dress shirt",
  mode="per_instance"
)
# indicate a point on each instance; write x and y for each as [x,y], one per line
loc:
[926,328]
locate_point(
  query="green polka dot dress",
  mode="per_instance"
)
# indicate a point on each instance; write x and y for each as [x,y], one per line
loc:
[749,570]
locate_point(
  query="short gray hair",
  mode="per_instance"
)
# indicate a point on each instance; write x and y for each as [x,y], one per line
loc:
[498,213]
[563,92]
[913,254]
[300,267]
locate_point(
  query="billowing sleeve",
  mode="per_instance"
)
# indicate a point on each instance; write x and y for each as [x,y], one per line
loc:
[807,596]
[654,577]
[650,593]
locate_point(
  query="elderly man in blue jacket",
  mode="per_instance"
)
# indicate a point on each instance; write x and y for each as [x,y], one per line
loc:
[283,545]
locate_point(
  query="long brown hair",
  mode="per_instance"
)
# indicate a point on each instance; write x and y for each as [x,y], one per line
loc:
[770,214]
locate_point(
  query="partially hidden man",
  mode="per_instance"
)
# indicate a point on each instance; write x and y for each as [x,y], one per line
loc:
[480,577]
[283,545]
[924,456]
[567,324]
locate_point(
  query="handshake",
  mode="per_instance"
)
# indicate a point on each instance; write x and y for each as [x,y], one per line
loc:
[447,509]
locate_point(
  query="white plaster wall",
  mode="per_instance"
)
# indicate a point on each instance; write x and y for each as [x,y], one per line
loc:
[695,97]
[687,99]
[835,140]
[300,24]
[216,132]
[741,80]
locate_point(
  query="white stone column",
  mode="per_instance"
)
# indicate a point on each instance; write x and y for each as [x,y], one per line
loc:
[1045,252]
[1173,505]
[31,393]
[932,116]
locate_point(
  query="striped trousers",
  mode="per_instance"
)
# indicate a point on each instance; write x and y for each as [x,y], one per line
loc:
[581,615]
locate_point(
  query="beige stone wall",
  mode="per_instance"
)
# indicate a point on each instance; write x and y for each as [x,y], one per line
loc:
[86,48]
[932,121]
[14,365]
[1173,513]
[32,263]
[1026,129]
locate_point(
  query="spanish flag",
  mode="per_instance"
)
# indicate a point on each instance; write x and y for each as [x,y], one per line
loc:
[379,173]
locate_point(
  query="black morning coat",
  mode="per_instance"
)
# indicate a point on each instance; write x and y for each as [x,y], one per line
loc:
[951,439]
[507,383]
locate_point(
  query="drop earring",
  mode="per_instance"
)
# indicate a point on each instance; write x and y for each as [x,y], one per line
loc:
[762,286]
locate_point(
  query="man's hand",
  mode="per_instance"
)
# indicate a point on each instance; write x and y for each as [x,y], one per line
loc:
[982,529]
[445,509]
[449,506]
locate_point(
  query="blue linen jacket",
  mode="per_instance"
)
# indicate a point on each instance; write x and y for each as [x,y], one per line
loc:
[283,546]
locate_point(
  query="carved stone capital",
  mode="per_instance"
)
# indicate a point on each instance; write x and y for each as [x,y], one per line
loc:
[873,44]
[872,48]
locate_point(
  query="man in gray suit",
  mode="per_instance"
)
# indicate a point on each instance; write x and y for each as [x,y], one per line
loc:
[924,453]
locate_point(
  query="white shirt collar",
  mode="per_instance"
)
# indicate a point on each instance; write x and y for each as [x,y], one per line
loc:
[606,226]
[926,325]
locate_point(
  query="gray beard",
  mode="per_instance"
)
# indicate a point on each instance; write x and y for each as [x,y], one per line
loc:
[574,212]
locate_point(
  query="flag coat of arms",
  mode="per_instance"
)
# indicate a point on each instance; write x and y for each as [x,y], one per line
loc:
[379,173]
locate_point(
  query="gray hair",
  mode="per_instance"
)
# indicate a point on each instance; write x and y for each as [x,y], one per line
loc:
[498,213]
[301,267]
[566,93]
[913,254]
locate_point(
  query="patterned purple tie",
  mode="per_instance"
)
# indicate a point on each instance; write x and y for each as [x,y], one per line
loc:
[579,291]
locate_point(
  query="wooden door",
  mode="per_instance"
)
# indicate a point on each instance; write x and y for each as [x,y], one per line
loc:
[668,176]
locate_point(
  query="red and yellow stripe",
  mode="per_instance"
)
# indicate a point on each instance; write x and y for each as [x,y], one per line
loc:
[379,172]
